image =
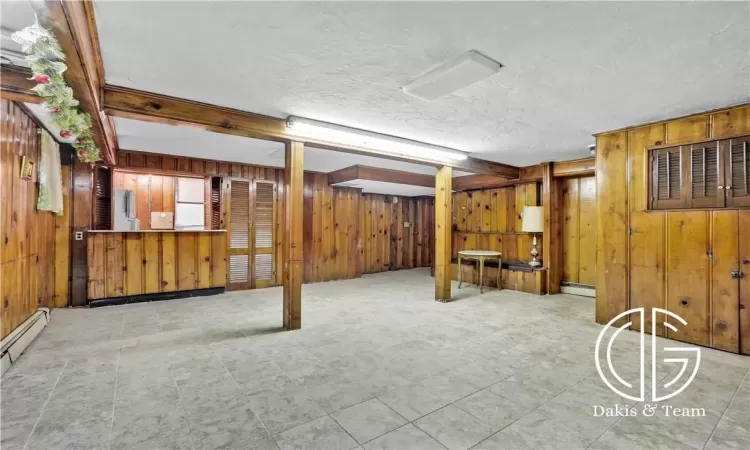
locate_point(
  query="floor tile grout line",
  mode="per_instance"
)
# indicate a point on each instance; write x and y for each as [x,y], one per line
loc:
[531,411]
[179,396]
[114,400]
[269,435]
[28,439]
[739,386]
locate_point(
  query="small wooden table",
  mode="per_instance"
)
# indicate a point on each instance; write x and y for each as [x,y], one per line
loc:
[481,256]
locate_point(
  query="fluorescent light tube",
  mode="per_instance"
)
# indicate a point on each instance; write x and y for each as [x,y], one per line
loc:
[374,142]
[462,71]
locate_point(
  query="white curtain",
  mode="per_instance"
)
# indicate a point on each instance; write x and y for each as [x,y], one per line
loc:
[50,177]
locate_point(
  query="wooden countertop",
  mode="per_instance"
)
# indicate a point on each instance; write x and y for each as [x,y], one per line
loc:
[156,231]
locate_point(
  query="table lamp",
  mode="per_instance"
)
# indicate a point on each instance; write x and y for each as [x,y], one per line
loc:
[533,222]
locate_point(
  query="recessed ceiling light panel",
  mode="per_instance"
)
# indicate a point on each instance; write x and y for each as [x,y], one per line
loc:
[465,70]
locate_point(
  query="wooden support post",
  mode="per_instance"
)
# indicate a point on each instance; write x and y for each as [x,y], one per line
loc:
[552,237]
[443,221]
[293,239]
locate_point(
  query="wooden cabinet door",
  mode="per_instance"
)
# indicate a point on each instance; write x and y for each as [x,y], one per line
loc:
[736,154]
[239,235]
[706,174]
[744,282]
[725,289]
[263,234]
[687,275]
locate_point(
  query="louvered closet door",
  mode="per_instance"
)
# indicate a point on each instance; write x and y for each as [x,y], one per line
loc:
[706,175]
[239,235]
[666,179]
[737,163]
[263,234]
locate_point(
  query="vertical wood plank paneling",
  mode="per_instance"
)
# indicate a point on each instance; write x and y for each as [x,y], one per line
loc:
[27,250]
[612,223]
[133,264]
[204,260]
[169,261]
[187,264]
[571,223]
[647,247]
[151,278]
[587,231]
[639,139]
[62,247]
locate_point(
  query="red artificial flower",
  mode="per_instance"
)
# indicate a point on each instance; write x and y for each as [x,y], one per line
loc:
[65,134]
[41,78]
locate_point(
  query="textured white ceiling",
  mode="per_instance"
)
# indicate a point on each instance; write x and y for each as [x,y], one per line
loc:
[570,68]
[14,15]
[192,142]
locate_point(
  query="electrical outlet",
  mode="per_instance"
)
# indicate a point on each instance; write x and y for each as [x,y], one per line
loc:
[407,224]
[79,235]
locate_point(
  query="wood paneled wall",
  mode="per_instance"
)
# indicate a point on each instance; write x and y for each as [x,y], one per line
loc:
[490,219]
[331,231]
[389,245]
[579,230]
[665,260]
[34,269]
[125,264]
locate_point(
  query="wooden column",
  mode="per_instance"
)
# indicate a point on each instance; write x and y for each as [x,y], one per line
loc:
[81,211]
[552,235]
[443,221]
[293,241]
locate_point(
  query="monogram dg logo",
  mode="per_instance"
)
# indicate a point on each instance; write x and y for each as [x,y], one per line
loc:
[622,383]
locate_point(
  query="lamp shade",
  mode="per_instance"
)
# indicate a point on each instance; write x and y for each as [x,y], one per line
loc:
[533,219]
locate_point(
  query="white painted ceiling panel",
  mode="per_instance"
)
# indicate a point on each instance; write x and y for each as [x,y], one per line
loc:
[570,68]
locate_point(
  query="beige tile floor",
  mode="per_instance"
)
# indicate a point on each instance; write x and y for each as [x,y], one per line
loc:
[377,365]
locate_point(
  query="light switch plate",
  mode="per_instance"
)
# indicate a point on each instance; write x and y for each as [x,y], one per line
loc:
[407,224]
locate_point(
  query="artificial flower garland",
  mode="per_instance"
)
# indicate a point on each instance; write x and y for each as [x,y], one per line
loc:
[45,58]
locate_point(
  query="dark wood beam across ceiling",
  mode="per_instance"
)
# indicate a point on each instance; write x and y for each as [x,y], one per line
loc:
[15,84]
[360,172]
[157,108]
[74,26]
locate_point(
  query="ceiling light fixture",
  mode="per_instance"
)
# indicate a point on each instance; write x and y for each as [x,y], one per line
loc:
[462,71]
[371,142]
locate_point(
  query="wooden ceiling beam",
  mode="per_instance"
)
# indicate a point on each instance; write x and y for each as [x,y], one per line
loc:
[574,168]
[157,108]
[477,181]
[15,84]
[369,173]
[74,26]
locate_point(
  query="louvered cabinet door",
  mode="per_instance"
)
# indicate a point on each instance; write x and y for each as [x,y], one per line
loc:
[239,235]
[736,154]
[706,186]
[263,274]
[666,178]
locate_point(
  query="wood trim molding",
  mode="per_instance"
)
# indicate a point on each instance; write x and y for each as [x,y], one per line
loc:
[76,32]
[360,172]
[157,108]
[16,85]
